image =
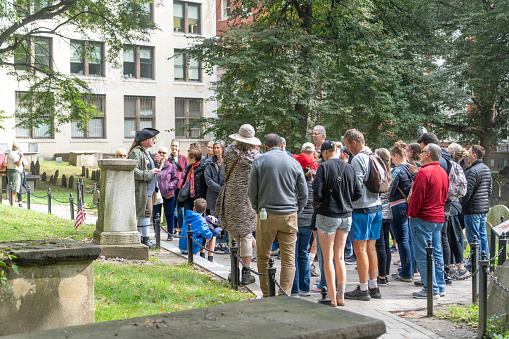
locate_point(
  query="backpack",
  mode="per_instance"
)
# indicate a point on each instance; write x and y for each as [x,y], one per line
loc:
[378,180]
[457,182]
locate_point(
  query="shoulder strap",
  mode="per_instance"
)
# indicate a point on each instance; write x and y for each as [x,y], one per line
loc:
[231,169]
[403,194]
[338,179]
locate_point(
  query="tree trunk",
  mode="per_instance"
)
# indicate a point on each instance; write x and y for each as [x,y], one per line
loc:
[485,141]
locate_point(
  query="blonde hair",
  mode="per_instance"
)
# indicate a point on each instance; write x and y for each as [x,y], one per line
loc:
[120,152]
[458,152]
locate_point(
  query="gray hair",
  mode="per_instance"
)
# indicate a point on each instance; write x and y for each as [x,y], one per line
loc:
[320,129]
[220,143]
[434,151]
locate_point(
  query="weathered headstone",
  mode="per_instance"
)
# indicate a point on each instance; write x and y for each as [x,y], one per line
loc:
[95,197]
[37,168]
[51,179]
[504,193]
[32,167]
[58,160]
[87,174]
[64,180]
[55,177]
[98,175]
[70,184]
[93,175]
[83,171]
[44,177]
[498,299]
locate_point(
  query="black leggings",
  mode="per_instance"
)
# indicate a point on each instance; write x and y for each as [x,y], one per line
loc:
[383,250]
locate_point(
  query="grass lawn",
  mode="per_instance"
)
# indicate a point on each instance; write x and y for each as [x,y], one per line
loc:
[124,289]
[57,191]
[134,290]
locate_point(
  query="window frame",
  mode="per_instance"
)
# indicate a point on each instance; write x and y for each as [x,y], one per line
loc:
[225,9]
[185,30]
[137,117]
[32,130]
[186,134]
[85,58]
[137,63]
[186,67]
[29,60]
[94,98]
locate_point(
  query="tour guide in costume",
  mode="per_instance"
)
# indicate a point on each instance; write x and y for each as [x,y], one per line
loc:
[144,179]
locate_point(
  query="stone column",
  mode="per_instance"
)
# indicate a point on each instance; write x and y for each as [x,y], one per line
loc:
[116,224]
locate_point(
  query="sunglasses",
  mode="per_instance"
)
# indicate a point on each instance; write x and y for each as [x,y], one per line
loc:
[160,152]
[122,155]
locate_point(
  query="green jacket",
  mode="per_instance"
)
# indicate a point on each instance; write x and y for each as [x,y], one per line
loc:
[141,178]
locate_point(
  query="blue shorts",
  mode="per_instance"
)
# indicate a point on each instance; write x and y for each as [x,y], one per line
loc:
[331,225]
[366,226]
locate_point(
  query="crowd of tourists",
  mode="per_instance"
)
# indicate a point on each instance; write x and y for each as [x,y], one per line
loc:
[334,202]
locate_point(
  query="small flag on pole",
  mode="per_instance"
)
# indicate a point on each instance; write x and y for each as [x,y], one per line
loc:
[81,215]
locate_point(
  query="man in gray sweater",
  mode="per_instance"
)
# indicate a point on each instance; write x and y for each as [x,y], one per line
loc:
[277,184]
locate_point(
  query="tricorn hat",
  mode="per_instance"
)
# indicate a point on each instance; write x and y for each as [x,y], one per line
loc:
[145,134]
[247,135]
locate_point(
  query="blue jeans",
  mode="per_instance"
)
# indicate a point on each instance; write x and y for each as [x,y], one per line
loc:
[475,224]
[403,238]
[422,231]
[302,270]
[169,210]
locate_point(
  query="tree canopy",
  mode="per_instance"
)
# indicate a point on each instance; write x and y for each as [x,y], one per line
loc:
[52,97]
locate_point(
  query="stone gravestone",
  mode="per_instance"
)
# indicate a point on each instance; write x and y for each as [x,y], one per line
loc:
[495,195]
[498,299]
[87,173]
[32,167]
[70,184]
[93,175]
[83,171]
[51,179]
[493,217]
[98,175]
[37,168]
[64,180]
[44,177]
[95,197]
[55,177]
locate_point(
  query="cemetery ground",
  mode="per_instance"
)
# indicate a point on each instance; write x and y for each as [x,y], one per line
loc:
[126,288]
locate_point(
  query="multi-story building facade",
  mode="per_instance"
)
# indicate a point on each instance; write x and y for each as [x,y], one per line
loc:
[149,90]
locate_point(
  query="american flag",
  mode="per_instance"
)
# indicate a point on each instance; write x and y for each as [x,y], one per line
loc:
[81,216]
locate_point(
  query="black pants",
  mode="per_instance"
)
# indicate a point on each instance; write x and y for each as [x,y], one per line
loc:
[383,250]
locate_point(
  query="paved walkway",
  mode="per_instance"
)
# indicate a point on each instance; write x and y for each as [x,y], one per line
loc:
[395,297]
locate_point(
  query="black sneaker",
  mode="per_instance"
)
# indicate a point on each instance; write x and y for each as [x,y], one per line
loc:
[382,282]
[351,260]
[375,293]
[418,283]
[357,294]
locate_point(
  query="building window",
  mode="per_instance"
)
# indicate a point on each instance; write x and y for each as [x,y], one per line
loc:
[42,131]
[139,62]
[187,111]
[87,58]
[148,11]
[139,113]
[95,126]
[186,68]
[34,52]
[186,17]
[226,9]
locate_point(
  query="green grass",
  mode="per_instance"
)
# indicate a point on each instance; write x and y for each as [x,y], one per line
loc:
[57,191]
[23,224]
[127,291]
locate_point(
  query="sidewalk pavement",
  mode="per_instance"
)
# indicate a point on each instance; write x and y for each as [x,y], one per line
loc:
[397,296]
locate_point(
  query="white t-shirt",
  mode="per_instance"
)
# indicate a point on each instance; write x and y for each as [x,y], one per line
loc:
[12,159]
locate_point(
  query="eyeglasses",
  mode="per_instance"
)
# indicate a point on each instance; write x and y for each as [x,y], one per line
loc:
[122,155]
[160,152]
[422,151]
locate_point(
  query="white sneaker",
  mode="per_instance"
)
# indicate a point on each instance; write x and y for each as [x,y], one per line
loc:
[295,295]
[442,294]
[304,294]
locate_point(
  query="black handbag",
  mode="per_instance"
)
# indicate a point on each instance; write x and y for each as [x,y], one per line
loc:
[184,192]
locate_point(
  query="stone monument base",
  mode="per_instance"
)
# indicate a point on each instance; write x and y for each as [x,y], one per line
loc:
[134,251]
[114,238]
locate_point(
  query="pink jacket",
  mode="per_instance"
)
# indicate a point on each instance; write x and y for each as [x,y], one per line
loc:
[168,178]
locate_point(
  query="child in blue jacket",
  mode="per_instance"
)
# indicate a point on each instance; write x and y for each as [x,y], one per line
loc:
[200,228]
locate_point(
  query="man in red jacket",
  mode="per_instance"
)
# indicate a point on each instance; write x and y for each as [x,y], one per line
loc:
[426,213]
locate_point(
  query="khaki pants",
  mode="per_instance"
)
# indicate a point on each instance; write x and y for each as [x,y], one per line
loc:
[284,226]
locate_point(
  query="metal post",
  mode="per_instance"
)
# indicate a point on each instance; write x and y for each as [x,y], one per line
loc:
[429,277]
[325,300]
[49,200]
[483,294]
[474,248]
[71,205]
[502,244]
[493,247]
[11,201]
[234,275]
[271,271]
[82,186]
[28,197]
[189,245]
[157,228]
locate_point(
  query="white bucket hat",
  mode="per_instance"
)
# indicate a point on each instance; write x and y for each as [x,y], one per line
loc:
[246,134]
